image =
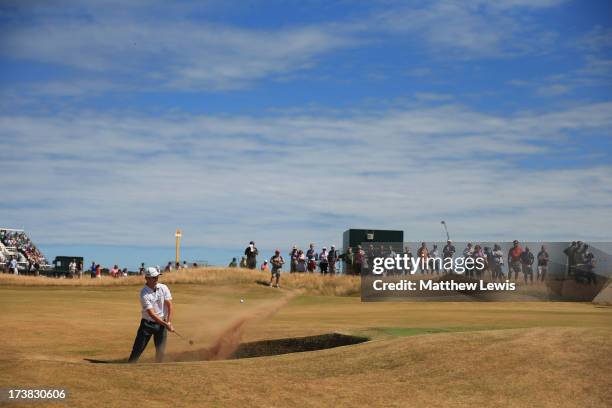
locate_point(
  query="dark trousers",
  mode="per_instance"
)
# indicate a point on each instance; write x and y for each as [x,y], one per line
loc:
[143,335]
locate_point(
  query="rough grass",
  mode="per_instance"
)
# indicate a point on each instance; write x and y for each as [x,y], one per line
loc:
[548,354]
[339,285]
[517,368]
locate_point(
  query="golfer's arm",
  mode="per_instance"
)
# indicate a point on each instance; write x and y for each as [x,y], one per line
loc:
[168,304]
[155,317]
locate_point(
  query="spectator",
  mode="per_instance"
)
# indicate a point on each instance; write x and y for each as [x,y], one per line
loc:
[243,262]
[301,262]
[570,252]
[526,264]
[543,259]
[323,261]
[448,252]
[514,260]
[251,253]
[497,262]
[584,265]
[293,259]
[423,254]
[277,262]
[115,272]
[92,270]
[141,270]
[391,254]
[72,268]
[467,254]
[332,258]
[478,253]
[13,267]
[434,266]
[358,260]
[312,257]
[589,266]
[264,266]
[348,257]
[488,253]
[370,255]
[408,253]
[233,263]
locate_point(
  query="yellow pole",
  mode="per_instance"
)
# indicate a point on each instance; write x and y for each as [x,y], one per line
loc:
[178,235]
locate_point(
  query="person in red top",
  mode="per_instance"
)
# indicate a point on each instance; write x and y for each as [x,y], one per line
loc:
[514,259]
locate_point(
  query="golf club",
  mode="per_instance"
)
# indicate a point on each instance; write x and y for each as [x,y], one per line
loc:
[445,229]
[184,338]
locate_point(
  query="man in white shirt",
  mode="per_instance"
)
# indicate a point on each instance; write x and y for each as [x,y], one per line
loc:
[156,302]
[72,268]
[13,266]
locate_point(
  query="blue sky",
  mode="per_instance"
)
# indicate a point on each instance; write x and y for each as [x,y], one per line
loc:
[289,122]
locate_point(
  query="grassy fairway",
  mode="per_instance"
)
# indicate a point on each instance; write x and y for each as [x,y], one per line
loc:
[421,353]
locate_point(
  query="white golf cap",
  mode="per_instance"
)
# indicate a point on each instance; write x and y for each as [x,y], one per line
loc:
[152,272]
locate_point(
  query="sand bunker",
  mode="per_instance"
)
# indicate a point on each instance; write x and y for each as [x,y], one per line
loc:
[270,347]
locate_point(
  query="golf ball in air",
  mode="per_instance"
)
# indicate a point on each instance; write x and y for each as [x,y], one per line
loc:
[241,300]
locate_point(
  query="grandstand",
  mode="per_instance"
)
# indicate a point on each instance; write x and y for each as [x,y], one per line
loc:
[15,243]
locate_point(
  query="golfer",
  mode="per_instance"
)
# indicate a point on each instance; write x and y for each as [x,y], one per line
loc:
[156,302]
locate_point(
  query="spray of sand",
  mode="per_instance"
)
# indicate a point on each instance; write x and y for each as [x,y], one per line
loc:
[226,343]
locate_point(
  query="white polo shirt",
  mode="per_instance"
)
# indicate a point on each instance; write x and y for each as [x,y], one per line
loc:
[154,299]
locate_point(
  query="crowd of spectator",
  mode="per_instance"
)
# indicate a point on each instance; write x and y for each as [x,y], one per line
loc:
[22,243]
[498,265]
[326,260]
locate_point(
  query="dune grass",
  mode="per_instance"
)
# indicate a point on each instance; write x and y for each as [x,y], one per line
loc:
[339,285]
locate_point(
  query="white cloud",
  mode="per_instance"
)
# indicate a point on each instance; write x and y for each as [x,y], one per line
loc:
[299,177]
[147,45]
[180,55]
[596,40]
[433,97]
[553,90]
[461,29]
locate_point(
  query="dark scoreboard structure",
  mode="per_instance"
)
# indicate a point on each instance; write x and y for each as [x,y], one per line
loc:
[354,237]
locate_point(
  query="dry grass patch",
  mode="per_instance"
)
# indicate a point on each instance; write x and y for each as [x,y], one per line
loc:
[340,285]
[513,368]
